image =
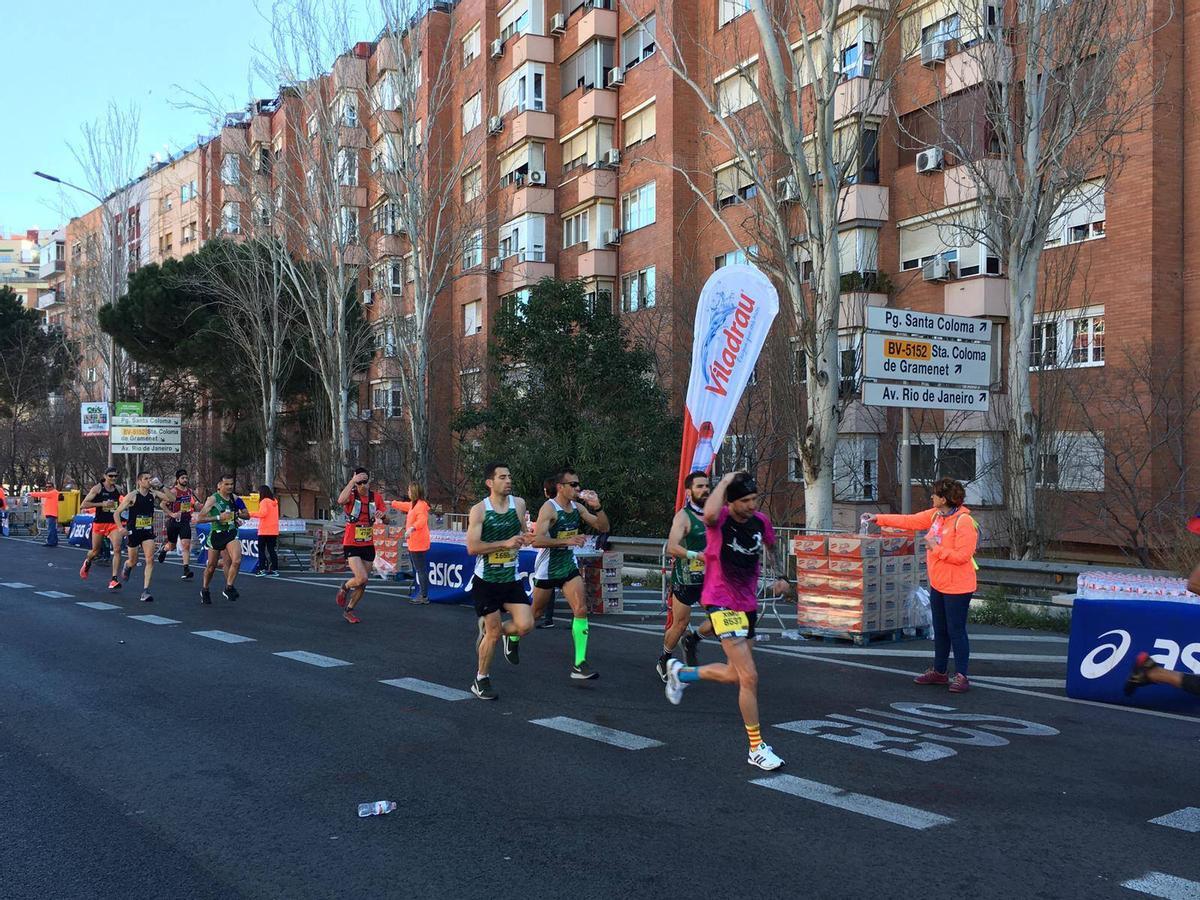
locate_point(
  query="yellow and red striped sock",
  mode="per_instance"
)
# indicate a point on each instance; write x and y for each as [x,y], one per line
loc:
[752,732]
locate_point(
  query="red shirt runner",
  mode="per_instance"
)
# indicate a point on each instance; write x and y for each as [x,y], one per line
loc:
[360,518]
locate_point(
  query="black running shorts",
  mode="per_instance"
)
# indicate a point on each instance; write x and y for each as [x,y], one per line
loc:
[491,596]
[366,554]
[137,538]
[177,531]
[687,593]
[553,584]
[219,540]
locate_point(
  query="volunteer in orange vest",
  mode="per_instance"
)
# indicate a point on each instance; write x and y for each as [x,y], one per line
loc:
[268,532]
[951,537]
[416,538]
[49,497]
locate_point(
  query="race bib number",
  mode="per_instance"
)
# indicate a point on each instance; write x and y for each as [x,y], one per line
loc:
[728,623]
[185,506]
[143,523]
[502,558]
[362,533]
[696,565]
[568,533]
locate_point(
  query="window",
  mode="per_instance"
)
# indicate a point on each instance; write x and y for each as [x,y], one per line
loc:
[471,386]
[955,240]
[91,375]
[395,273]
[262,213]
[737,89]
[857,60]
[472,184]
[166,244]
[386,218]
[516,302]
[472,113]
[638,43]
[1070,339]
[946,29]
[385,339]
[738,451]
[473,250]
[795,468]
[1079,217]
[598,295]
[348,109]
[637,290]
[588,67]
[575,228]
[637,208]
[470,45]
[187,192]
[728,10]
[387,90]
[516,164]
[386,155]
[638,125]
[348,167]
[166,202]
[856,467]
[974,459]
[231,218]
[524,237]
[348,220]
[807,72]
[387,397]
[1072,462]
[849,363]
[587,145]
[515,19]
[734,185]
[523,89]
[472,317]
[416,134]
[187,234]
[736,257]
[230,170]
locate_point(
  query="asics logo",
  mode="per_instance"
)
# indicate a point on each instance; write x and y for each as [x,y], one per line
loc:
[446,574]
[1107,656]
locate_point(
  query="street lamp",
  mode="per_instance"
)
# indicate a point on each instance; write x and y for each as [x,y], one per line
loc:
[110,290]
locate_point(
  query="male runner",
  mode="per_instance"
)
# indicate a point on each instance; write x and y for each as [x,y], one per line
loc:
[495,535]
[735,535]
[364,509]
[223,510]
[549,492]
[685,545]
[558,534]
[103,498]
[140,503]
[178,506]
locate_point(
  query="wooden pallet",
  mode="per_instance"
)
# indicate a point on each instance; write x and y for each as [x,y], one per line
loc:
[861,639]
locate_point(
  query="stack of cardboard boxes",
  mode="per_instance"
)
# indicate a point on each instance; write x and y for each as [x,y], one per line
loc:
[856,583]
[387,540]
[602,581]
[327,551]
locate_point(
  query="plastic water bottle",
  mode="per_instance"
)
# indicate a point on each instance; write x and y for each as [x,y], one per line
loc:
[864,523]
[378,808]
[703,456]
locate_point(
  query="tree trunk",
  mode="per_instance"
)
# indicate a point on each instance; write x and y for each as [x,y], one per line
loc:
[824,383]
[419,417]
[1022,446]
[269,424]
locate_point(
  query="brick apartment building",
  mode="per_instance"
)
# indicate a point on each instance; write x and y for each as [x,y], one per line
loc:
[585,140]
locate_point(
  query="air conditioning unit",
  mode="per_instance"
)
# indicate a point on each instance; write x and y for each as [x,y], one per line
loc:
[368,297]
[612,157]
[787,190]
[616,77]
[933,53]
[497,48]
[612,236]
[495,264]
[495,125]
[937,269]
[929,160]
[537,176]
[558,23]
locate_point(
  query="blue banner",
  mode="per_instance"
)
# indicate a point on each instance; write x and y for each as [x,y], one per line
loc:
[451,568]
[1106,637]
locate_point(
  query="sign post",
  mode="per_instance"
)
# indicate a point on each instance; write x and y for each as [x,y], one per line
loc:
[146,434]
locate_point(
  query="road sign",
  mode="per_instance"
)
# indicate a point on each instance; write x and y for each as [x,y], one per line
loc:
[911,322]
[918,396]
[927,360]
[145,434]
[93,419]
[129,408]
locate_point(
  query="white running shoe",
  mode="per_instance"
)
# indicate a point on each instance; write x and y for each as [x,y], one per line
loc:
[674,685]
[764,757]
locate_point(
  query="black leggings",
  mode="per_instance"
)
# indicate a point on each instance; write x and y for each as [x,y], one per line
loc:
[1191,684]
[266,546]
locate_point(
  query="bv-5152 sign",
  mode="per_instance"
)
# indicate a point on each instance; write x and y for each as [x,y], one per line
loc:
[927,360]
[145,434]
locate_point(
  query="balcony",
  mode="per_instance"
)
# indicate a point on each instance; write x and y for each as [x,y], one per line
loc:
[961,186]
[863,202]
[47,300]
[846,7]
[598,264]
[598,23]
[985,61]
[523,269]
[852,309]
[529,198]
[52,267]
[977,296]
[595,184]
[529,124]
[349,73]
[859,97]
[532,48]
[595,104]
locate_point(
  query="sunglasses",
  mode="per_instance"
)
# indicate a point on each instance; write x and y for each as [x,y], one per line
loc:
[573,484]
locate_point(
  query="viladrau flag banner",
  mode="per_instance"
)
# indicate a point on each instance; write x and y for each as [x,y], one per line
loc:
[735,312]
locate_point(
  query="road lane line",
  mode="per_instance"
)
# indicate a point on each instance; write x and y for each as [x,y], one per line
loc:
[53,595]
[1186,819]
[1169,887]
[226,637]
[1022,682]
[96,604]
[428,688]
[313,659]
[612,736]
[15,585]
[827,794]
[155,620]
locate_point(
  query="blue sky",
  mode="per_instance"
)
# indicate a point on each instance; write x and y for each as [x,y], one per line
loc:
[63,63]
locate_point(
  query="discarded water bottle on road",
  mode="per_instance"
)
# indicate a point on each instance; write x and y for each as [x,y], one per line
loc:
[378,808]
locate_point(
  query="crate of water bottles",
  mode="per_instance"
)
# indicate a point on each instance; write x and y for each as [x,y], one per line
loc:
[1133,586]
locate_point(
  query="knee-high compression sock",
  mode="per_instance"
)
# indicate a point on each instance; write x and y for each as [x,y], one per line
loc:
[689,674]
[579,633]
[1191,684]
[754,733]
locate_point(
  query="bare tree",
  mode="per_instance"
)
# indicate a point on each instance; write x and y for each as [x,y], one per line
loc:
[1036,139]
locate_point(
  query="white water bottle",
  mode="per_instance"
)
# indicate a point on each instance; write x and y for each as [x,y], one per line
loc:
[703,456]
[378,808]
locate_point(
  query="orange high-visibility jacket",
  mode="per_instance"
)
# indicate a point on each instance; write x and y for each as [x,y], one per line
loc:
[268,517]
[49,502]
[952,561]
[416,525]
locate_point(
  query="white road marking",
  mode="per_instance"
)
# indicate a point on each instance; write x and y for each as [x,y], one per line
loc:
[622,739]
[827,794]
[96,604]
[1170,887]
[15,585]
[155,620]
[224,636]
[313,659]
[1186,819]
[1022,682]
[892,650]
[428,688]
[53,595]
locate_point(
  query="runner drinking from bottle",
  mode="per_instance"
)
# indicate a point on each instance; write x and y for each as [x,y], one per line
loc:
[686,545]
[103,498]
[140,503]
[222,510]
[364,509]
[180,502]
[736,533]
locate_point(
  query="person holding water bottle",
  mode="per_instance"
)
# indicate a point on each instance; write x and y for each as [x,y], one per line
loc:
[951,538]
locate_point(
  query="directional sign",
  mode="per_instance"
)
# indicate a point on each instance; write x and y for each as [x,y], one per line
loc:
[145,434]
[930,361]
[129,408]
[911,322]
[916,396]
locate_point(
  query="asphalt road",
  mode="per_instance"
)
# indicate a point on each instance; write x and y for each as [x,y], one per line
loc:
[146,760]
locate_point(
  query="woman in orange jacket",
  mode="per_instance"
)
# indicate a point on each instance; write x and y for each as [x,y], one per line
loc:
[416,537]
[49,496]
[951,537]
[268,532]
